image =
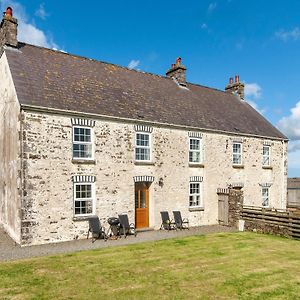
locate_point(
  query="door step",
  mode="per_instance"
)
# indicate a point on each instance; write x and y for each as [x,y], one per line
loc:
[144,229]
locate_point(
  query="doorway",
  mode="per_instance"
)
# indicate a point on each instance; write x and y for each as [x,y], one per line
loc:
[223,209]
[142,204]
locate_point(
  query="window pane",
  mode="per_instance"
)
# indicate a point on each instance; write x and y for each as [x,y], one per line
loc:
[142,199]
[195,197]
[194,144]
[142,140]
[266,161]
[83,203]
[82,150]
[236,148]
[266,150]
[194,156]
[237,159]
[142,154]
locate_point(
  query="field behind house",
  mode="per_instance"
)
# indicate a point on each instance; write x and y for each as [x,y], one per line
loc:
[217,266]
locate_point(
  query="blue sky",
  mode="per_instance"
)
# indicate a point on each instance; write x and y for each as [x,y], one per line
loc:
[259,40]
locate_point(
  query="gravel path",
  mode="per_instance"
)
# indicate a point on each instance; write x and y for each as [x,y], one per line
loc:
[11,251]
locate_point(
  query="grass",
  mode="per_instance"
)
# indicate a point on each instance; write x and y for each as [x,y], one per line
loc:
[218,266]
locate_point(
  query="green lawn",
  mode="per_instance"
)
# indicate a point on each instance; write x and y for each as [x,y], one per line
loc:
[218,266]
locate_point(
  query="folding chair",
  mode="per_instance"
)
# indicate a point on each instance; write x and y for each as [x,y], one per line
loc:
[180,223]
[96,229]
[166,223]
[125,227]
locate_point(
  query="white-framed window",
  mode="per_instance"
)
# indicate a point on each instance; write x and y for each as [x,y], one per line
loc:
[84,198]
[195,145]
[265,196]
[266,155]
[142,146]
[237,153]
[195,199]
[83,142]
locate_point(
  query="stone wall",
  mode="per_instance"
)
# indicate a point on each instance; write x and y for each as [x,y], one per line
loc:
[10,161]
[265,227]
[235,206]
[47,214]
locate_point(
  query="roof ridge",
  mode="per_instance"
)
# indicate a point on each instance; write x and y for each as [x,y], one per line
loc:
[115,65]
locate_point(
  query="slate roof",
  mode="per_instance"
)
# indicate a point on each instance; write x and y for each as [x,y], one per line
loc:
[53,79]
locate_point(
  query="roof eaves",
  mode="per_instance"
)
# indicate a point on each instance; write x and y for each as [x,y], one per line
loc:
[129,120]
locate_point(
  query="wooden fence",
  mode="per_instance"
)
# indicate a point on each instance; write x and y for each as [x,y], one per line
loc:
[280,222]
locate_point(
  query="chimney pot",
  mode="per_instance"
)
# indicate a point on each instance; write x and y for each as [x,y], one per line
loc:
[177,72]
[8,29]
[236,88]
[9,12]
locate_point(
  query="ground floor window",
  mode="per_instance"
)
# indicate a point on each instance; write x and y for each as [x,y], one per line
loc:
[195,194]
[265,196]
[83,199]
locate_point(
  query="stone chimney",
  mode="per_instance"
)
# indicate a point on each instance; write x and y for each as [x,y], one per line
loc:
[8,29]
[237,87]
[177,72]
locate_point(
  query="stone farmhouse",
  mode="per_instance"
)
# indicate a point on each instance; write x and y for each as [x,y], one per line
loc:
[80,137]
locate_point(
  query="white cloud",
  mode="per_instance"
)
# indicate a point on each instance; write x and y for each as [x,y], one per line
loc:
[286,35]
[27,31]
[252,90]
[133,64]
[290,125]
[41,12]
[294,146]
[212,6]
[252,94]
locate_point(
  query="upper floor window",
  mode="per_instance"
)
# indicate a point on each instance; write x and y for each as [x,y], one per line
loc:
[194,150]
[237,153]
[143,146]
[82,142]
[266,155]
[265,196]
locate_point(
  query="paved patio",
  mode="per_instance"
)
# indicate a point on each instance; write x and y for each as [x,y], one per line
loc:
[9,250]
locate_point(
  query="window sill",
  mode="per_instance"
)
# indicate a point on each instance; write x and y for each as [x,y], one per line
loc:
[144,163]
[82,218]
[198,208]
[267,167]
[196,165]
[84,161]
[238,166]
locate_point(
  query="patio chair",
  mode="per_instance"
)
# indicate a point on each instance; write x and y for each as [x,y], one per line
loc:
[96,229]
[180,223]
[166,223]
[125,227]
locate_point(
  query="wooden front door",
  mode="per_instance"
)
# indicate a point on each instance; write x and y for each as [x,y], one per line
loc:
[223,209]
[142,205]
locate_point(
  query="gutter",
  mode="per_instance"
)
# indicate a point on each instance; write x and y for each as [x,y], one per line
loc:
[73,113]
